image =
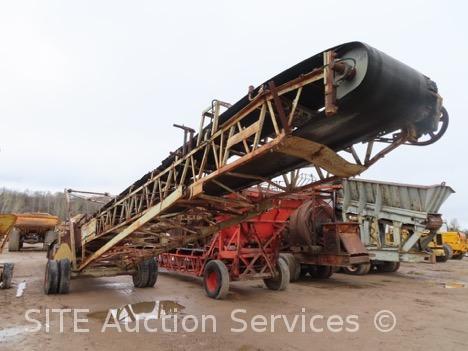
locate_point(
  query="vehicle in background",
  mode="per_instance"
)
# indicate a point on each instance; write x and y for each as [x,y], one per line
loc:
[33,228]
[449,245]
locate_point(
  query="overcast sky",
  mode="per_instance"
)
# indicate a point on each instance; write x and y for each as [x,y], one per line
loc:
[89,89]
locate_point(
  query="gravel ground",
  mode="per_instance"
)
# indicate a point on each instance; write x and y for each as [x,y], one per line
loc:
[342,312]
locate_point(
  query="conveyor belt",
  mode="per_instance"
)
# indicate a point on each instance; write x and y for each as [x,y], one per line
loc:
[385,96]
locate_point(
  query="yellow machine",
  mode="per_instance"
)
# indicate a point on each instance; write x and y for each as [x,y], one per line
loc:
[33,228]
[450,244]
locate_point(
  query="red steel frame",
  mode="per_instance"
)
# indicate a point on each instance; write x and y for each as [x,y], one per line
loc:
[249,249]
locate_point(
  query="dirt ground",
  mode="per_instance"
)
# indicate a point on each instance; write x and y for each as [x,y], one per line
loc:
[428,315]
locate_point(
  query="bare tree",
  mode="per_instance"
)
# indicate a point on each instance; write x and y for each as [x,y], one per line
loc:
[12,201]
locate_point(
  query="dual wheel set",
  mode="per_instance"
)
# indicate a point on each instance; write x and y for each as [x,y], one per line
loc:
[146,273]
[57,277]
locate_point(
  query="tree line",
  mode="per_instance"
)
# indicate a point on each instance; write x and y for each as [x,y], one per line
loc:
[12,201]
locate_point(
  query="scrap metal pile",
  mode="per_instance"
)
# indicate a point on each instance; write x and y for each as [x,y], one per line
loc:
[313,114]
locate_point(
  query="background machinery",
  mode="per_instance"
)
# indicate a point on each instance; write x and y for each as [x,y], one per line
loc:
[311,115]
[33,228]
[449,244]
[397,221]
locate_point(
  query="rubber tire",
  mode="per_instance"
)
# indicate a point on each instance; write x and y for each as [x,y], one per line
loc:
[293,265]
[64,276]
[458,257]
[153,272]
[361,269]
[52,276]
[281,280]
[217,270]
[14,240]
[49,238]
[321,272]
[7,275]
[142,275]
[448,251]
[389,267]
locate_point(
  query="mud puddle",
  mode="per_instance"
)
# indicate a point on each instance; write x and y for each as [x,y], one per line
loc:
[13,334]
